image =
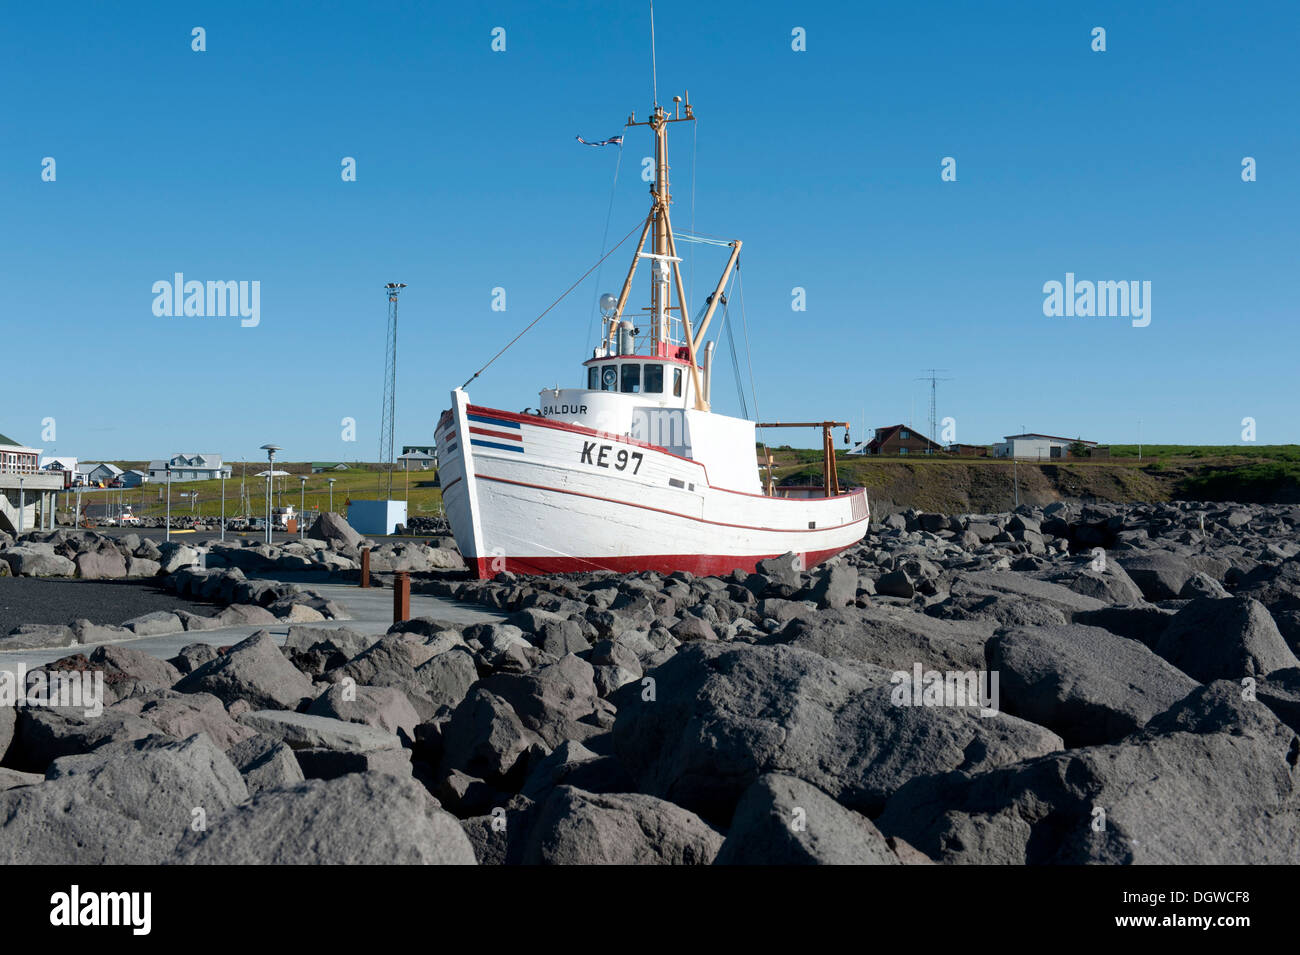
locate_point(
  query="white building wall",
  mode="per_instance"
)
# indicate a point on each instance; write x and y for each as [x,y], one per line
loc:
[1032,449]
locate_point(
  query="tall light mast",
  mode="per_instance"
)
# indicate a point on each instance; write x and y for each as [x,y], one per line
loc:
[386,425]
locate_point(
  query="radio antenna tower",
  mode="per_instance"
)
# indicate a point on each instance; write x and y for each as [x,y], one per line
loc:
[934,388]
[386,424]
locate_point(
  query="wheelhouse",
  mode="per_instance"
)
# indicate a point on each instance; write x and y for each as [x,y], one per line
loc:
[637,375]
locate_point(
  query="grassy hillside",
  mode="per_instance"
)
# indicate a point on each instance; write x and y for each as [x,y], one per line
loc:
[1267,473]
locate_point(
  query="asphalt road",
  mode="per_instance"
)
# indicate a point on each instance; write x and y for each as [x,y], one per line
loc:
[61,601]
[371,612]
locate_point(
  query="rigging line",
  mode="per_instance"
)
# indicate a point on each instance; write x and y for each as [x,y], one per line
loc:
[735,367]
[604,239]
[563,294]
[735,361]
[703,236]
[698,240]
[753,389]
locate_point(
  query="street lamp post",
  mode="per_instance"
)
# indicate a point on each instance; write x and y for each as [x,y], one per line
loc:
[168,533]
[302,510]
[331,484]
[22,505]
[270,450]
[223,504]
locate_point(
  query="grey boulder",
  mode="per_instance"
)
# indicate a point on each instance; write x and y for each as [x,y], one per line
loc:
[1212,780]
[254,671]
[356,819]
[782,820]
[1228,639]
[1084,683]
[574,827]
[124,804]
[718,717]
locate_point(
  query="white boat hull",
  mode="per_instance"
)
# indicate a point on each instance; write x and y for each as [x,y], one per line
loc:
[531,495]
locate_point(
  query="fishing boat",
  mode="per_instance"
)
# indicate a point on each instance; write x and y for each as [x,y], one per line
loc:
[634,471]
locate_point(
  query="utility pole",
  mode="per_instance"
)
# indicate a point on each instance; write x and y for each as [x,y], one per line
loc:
[932,378]
[386,425]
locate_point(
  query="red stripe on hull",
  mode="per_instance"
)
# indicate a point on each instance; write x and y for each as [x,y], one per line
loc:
[497,434]
[702,565]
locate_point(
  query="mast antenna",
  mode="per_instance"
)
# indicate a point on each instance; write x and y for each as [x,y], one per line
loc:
[654,69]
[934,387]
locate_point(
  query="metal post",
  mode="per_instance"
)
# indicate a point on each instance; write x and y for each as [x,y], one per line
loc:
[401,596]
[22,504]
[302,510]
[331,484]
[168,533]
[223,505]
[365,567]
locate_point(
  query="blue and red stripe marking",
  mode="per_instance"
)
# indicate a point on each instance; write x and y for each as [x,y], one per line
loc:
[497,433]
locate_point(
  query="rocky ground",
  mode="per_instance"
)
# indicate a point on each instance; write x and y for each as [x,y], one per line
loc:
[1146,710]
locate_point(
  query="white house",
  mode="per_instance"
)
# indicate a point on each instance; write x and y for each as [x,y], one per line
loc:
[59,463]
[1037,447]
[189,467]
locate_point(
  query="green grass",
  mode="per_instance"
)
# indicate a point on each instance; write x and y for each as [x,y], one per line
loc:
[360,482]
[1271,452]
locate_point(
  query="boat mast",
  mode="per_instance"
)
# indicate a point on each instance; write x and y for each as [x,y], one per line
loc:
[666,263]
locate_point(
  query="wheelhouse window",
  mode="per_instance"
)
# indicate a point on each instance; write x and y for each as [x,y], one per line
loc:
[677,382]
[608,377]
[654,379]
[631,378]
[593,378]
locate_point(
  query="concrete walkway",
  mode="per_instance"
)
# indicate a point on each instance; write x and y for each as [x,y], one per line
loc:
[371,610]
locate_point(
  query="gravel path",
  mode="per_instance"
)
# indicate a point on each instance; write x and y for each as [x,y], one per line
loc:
[48,600]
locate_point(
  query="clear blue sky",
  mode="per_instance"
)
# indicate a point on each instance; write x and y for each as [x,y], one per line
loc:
[1122,165]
